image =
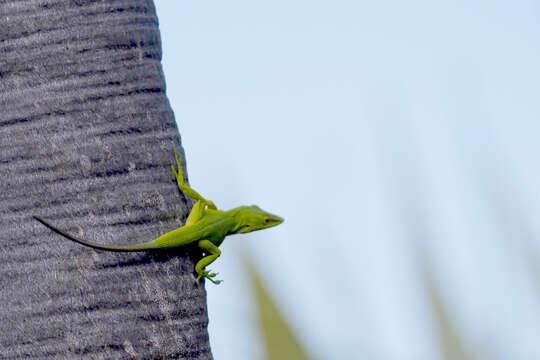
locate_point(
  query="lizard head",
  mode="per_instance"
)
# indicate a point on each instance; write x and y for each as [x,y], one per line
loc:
[252,218]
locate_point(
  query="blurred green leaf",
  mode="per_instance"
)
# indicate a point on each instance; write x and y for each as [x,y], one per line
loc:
[452,347]
[280,342]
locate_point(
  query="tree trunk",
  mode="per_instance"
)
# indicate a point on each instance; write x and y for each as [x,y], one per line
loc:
[86,136]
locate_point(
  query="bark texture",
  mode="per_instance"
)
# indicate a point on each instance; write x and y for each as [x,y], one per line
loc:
[86,136]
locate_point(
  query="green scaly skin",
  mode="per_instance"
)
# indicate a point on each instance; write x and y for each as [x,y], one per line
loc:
[206,225]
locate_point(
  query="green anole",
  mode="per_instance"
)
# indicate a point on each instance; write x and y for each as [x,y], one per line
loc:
[206,226]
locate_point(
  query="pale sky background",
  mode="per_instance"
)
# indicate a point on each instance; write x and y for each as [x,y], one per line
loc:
[389,135]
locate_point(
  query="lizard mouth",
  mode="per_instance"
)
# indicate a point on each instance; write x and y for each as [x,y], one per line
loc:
[270,221]
[273,220]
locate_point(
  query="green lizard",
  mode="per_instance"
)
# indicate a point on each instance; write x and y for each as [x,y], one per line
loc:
[206,225]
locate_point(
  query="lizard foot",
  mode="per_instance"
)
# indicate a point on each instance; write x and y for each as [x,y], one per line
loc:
[209,276]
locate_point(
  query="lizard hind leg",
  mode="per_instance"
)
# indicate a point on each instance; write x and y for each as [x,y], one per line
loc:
[197,212]
[185,188]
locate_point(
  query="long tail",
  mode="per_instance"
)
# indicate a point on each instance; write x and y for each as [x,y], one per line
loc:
[120,248]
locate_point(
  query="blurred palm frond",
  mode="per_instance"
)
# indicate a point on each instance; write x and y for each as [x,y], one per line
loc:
[280,342]
[451,346]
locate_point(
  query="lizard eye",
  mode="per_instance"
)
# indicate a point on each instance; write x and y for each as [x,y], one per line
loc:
[266,221]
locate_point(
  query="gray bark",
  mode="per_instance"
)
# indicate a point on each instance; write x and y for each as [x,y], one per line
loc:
[86,136]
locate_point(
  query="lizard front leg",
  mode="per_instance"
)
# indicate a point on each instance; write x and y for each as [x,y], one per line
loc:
[212,253]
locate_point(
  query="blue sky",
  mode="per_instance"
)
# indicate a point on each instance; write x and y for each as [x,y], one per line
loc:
[394,137]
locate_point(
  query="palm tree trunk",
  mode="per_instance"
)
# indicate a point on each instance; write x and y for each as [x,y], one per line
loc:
[86,135]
